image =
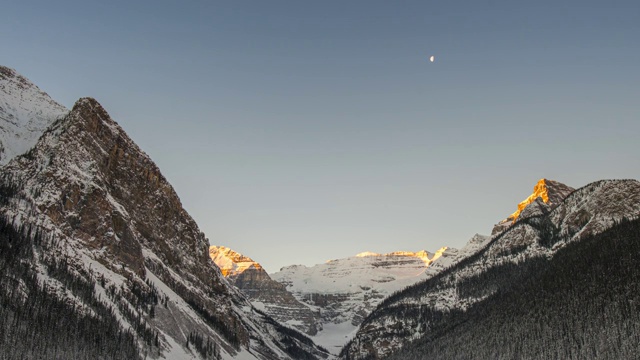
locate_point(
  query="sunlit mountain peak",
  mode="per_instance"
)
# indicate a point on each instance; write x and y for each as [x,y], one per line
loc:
[539,191]
[231,262]
[550,192]
[423,255]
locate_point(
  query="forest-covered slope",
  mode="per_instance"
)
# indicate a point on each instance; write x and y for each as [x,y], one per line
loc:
[584,303]
[511,258]
[37,324]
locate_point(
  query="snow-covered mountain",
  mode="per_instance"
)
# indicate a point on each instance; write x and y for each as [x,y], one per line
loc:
[25,113]
[414,314]
[264,293]
[345,291]
[329,301]
[100,228]
[98,259]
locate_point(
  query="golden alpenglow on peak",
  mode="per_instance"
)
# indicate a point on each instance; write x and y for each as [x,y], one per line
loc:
[551,192]
[422,254]
[539,191]
[231,262]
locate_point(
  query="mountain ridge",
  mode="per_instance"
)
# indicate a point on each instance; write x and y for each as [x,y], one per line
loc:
[265,293]
[585,212]
[591,297]
[119,225]
[93,238]
[344,291]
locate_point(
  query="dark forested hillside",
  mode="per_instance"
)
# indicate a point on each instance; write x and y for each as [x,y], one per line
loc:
[36,324]
[584,303]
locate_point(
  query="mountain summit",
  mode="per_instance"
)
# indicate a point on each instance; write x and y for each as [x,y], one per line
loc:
[547,194]
[108,234]
[231,263]
[264,293]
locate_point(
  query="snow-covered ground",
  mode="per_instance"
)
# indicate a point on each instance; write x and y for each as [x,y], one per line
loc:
[345,290]
[25,113]
[334,336]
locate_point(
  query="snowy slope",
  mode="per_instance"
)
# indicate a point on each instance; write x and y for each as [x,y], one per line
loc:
[25,113]
[345,291]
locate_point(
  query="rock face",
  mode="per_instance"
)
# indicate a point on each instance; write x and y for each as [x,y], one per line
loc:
[117,222]
[345,291]
[547,194]
[264,293]
[414,313]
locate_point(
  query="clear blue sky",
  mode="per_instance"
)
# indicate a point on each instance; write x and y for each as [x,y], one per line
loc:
[299,131]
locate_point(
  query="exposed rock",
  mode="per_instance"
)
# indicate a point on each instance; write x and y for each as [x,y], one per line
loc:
[266,294]
[547,194]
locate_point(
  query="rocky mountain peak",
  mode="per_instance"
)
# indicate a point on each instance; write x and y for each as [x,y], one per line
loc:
[547,194]
[551,192]
[113,219]
[231,263]
[265,293]
[422,255]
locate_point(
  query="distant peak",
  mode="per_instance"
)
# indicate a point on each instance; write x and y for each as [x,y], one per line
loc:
[549,191]
[539,191]
[367,253]
[230,262]
[422,254]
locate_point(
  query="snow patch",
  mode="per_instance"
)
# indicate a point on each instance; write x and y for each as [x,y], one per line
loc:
[25,113]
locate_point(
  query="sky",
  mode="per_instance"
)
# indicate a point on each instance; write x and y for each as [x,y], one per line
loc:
[296,132]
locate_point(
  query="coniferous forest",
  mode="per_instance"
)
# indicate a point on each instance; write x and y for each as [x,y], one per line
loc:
[36,324]
[584,303]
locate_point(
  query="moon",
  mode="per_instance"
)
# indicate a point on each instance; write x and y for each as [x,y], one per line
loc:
[432,58]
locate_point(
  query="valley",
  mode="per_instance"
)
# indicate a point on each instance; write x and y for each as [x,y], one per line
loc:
[99,259]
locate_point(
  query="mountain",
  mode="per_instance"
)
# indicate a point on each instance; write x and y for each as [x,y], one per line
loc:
[90,225]
[264,293]
[572,306]
[546,195]
[527,263]
[345,291]
[25,113]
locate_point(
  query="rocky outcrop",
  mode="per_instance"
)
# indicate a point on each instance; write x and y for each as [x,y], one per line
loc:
[264,293]
[547,194]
